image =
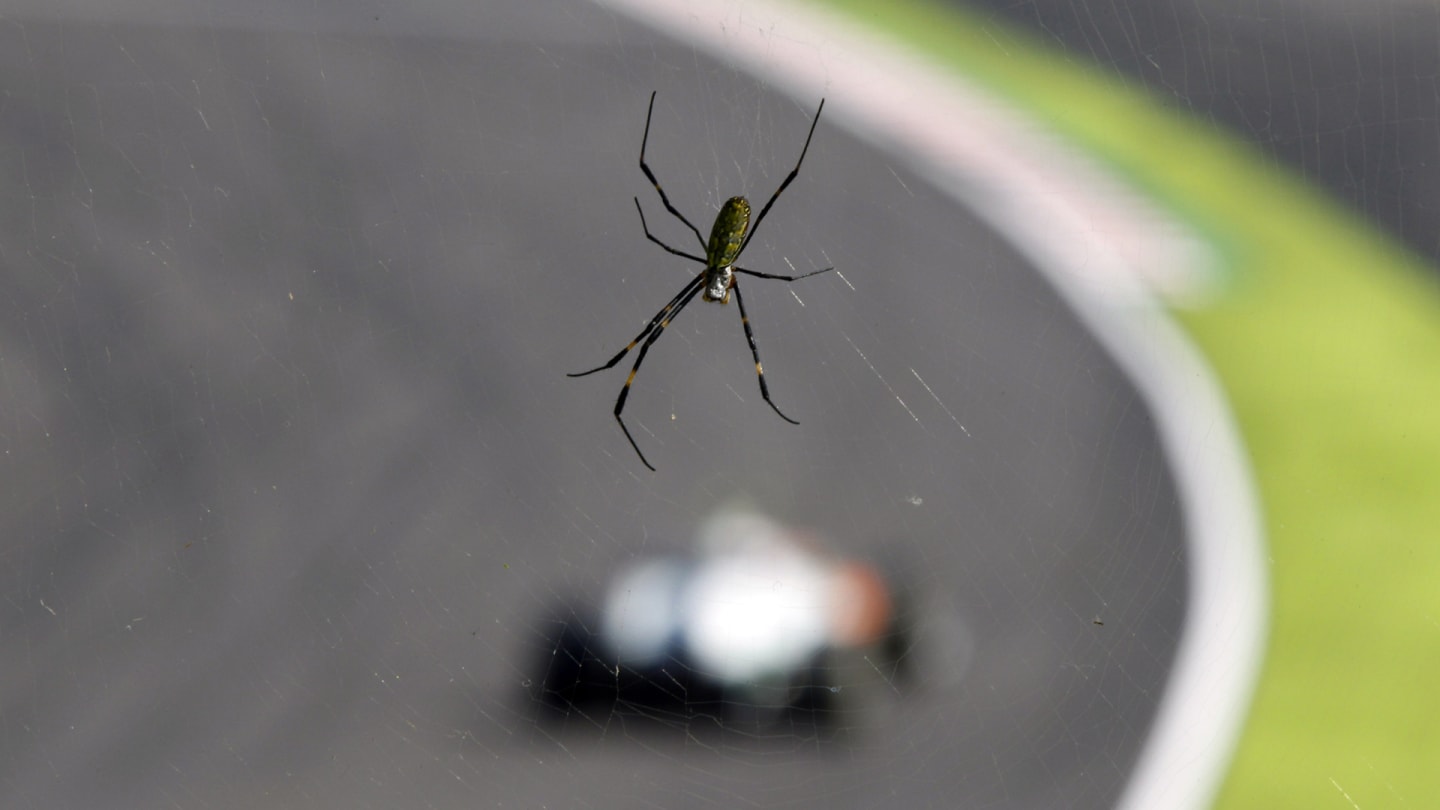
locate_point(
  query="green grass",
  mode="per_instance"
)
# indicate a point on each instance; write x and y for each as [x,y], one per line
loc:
[1327,340]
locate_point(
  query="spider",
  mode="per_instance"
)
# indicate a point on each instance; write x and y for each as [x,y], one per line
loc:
[728,238]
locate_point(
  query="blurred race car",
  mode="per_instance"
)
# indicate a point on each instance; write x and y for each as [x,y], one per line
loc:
[761,626]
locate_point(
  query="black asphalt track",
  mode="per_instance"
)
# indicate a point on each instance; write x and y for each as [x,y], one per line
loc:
[1347,94]
[292,480]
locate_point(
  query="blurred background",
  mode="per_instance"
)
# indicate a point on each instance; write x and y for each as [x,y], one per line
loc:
[299,509]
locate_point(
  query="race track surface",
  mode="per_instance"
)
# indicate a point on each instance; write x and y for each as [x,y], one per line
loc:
[295,487]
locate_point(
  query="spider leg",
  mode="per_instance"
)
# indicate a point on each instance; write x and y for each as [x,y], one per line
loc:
[656,240]
[664,321]
[674,305]
[656,183]
[755,352]
[782,278]
[755,226]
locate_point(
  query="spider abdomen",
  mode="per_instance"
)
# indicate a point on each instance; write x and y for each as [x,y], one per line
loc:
[729,232]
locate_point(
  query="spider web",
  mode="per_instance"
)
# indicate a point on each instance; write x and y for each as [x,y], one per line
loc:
[302,511]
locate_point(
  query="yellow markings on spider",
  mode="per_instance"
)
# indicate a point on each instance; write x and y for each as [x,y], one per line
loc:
[729,236]
[729,232]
